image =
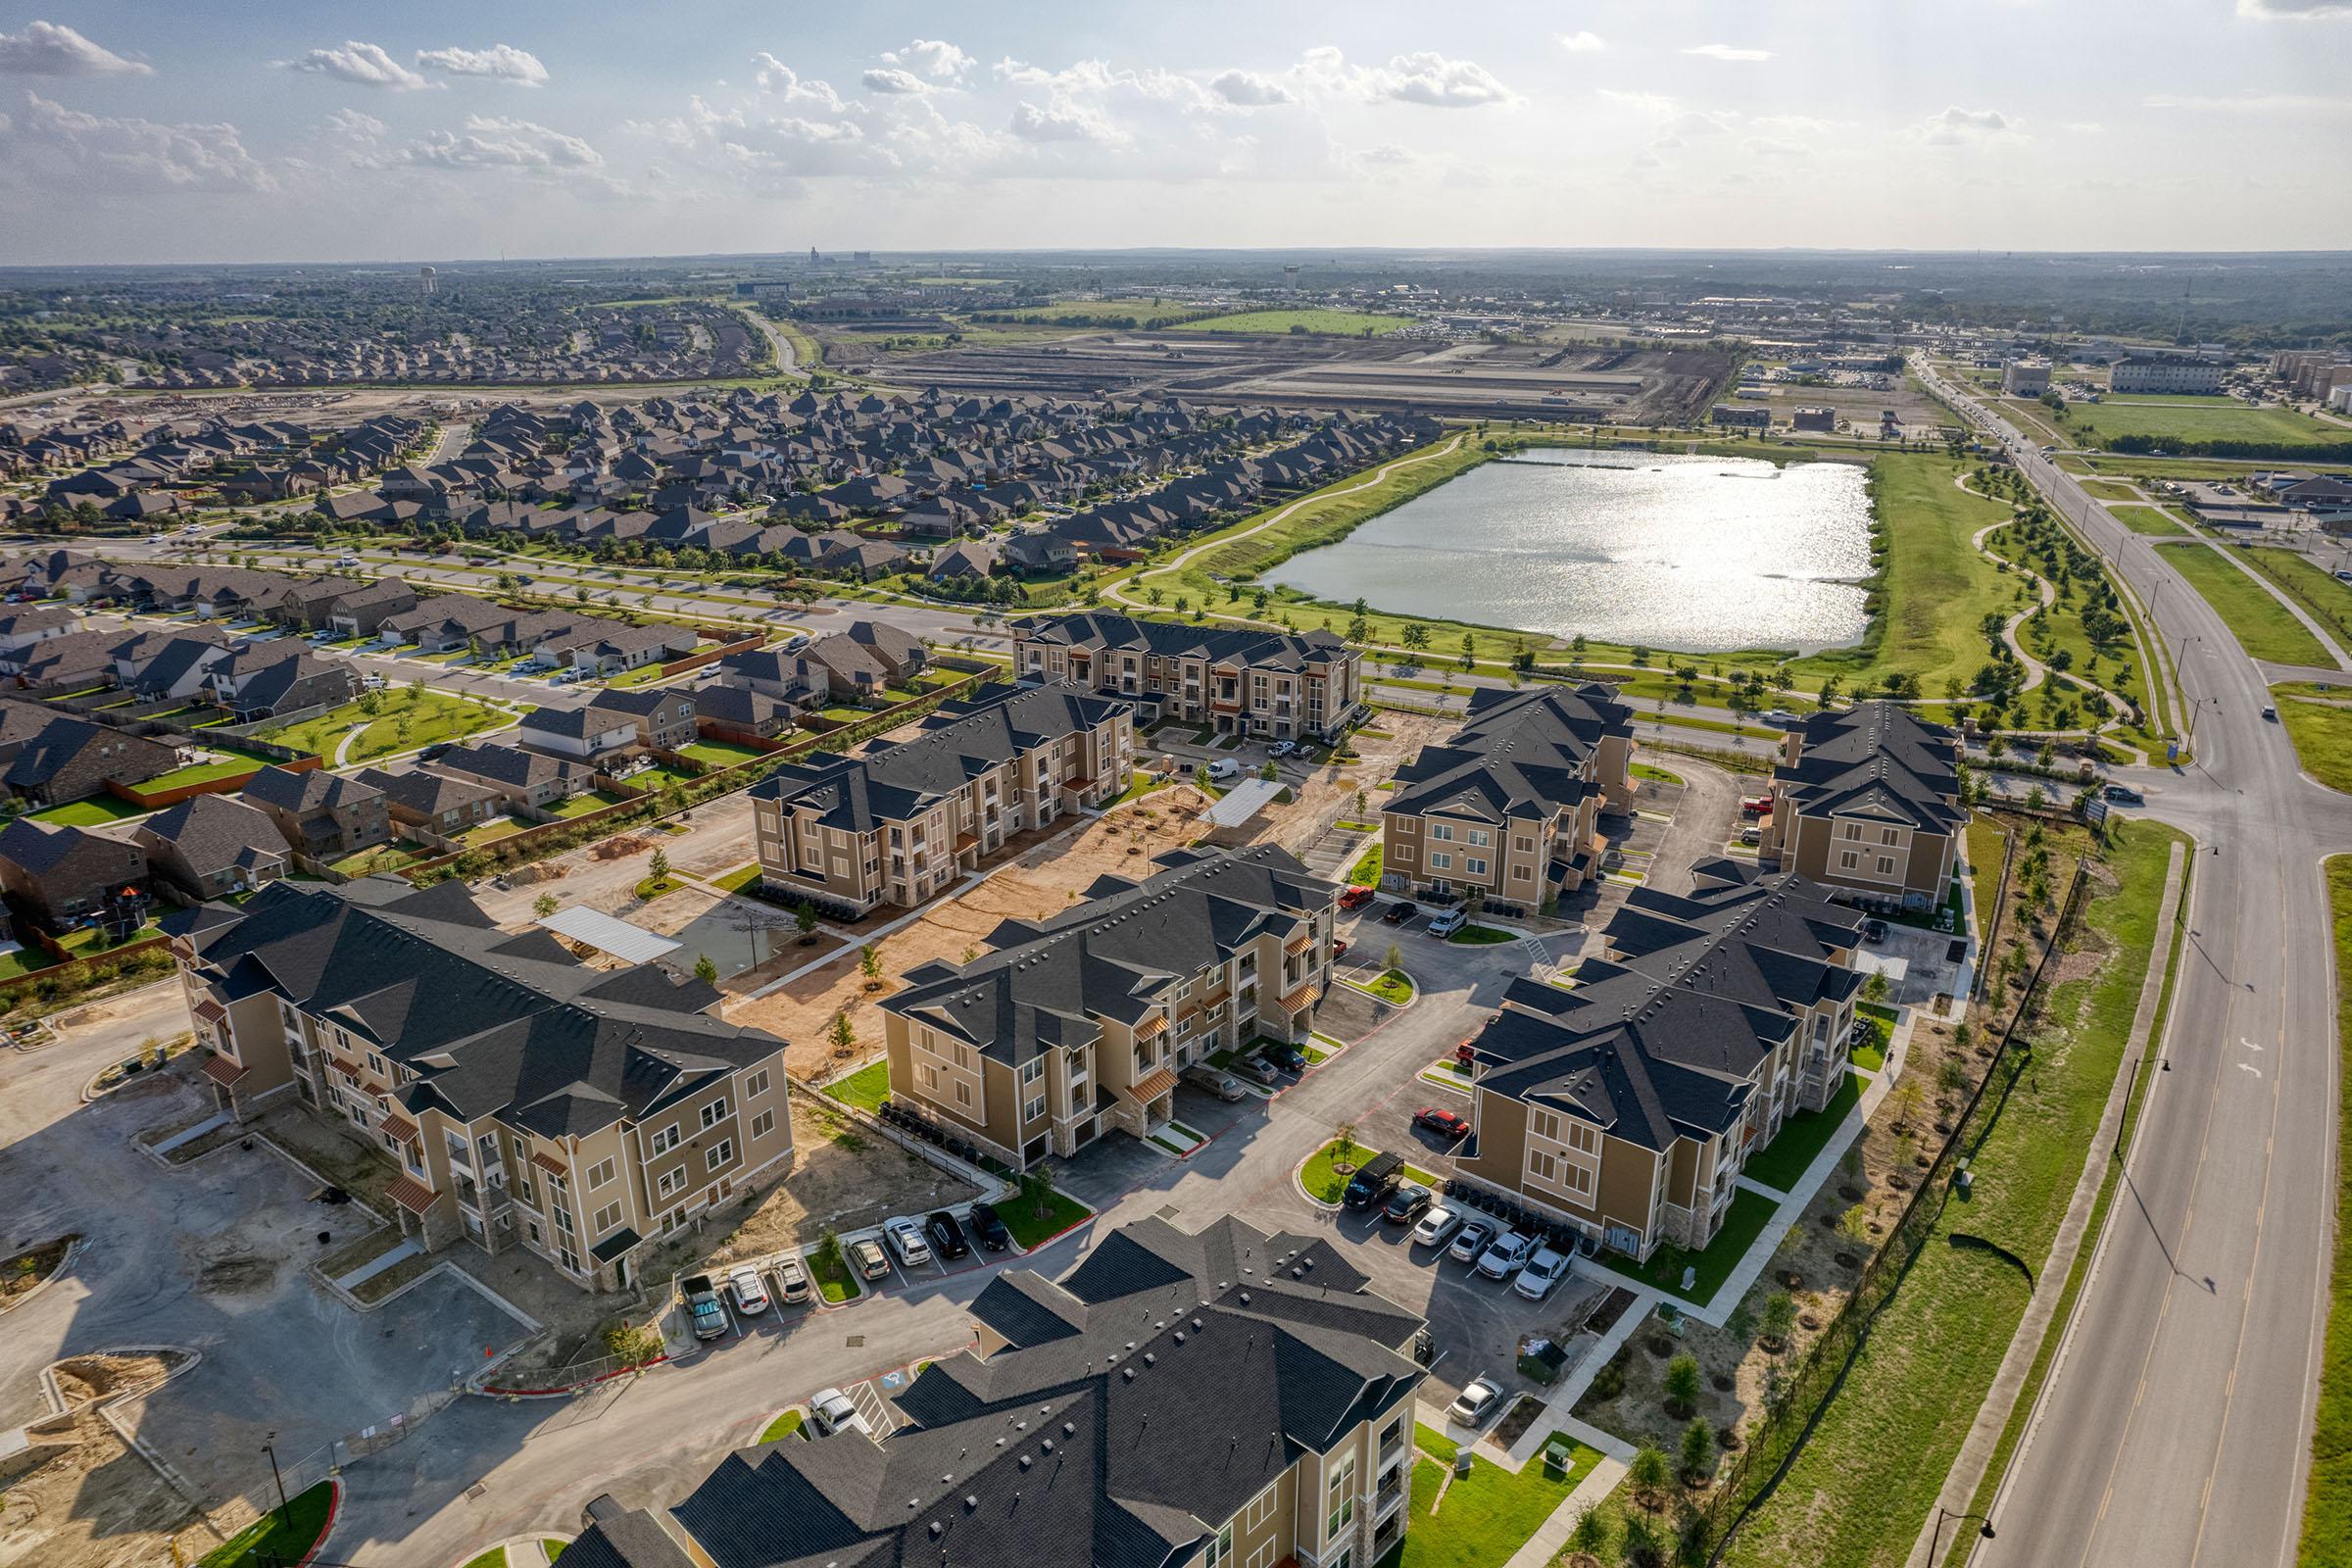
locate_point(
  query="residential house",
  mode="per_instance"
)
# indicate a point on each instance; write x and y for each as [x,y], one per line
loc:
[734,713]
[662,717]
[321,814]
[278,680]
[1866,800]
[58,875]
[1236,680]
[208,846]
[446,803]
[527,778]
[587,734]
[73,759]
[21,626]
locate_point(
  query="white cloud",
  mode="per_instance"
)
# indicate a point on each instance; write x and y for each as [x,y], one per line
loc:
[933,57]
[1582,43]
[1250,91]
[2294,10]
[52,49]
[894,80]
[1060,121]
[1956,127]
[51,145]
[1656,104]
[1430,79]
[491,142]
[365,64]
[501,62]
[353,126]
[775,77]
[1725,51]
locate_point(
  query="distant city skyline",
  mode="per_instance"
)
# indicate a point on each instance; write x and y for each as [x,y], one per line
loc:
[432,131]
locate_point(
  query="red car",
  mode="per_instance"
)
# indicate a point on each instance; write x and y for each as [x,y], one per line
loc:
[1757,804]
[1339,946]
[1444,1123]
[1356,897]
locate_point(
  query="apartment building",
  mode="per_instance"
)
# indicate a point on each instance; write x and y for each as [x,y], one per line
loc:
[2165,372]
[526,1097]
[1866,800]
[900,822]
[1078,1023]
[2025,378]
[1627,1105]
[1236,680]
[1230,1399]
[1510,804]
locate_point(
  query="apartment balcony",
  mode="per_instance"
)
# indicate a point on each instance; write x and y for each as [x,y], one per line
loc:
[1391,1496]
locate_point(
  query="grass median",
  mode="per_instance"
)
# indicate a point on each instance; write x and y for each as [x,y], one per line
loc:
[2264,628]
[2319,720]
[2327,1501]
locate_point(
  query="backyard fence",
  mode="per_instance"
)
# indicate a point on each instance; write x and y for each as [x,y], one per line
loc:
[1777,1440]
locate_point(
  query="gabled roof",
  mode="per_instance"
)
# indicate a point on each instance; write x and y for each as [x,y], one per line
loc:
[1100,630]
[1878,761]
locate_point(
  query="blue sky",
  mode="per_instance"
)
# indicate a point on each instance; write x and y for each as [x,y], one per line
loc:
[255,130]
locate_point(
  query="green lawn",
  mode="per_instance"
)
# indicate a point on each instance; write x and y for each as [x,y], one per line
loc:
[2322,596]
[654,887]
[1480,936]
[2147,520]
[2327,1503]
[720,753]
[93,812]
[237,763]
[866,1088]
[1871,1055]
[1657,775]
[1750,1212]
[2263,626]
[1487,1515]
[1393,987]
[553,1549]
[2168,419]
[1366,872]
[1029,1227]
[836,1282]
[1871,1471]
[495,1557]
[498,827]
[1803,1137]
[1319,322]
[653,778]
[1320,1182]
[2110,490]
[381,857]
[88,941]
[431,716]
[783,1426]
[281,1536]
[2321,730]
[735,881]
[582,804]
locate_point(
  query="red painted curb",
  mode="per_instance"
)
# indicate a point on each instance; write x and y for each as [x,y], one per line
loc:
[334,1507]
[1048,1240]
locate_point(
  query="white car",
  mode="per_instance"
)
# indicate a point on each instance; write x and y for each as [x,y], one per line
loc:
[1542,1273]
[791,1279]
[906,1238]
[1446,922]
[1437,1223]
[750,1294]
[1286,747]
[1475,1402]
[1504,1255]
[830,1410]
[1224,768]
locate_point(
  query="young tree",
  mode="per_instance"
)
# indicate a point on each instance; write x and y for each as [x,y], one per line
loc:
[705,970]
[1588,1538]
[869,964]
[659,865]
[1780,1317]
[1269,771]
[1682,1384]
[1650,1475]
[804,920]
[1036,1189]
[1201,779]
[543,906]
[843,1036]
[1698,1451]
[1394,959]
[1874,988]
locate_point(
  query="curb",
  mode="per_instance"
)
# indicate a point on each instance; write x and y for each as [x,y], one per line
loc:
[74,1250]
[492,1391]
[334,1516]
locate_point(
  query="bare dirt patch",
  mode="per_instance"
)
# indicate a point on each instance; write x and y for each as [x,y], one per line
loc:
[28,1269]
[79,1495]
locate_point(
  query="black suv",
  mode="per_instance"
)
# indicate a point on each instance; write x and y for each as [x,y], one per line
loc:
[1374,1182]
[947,1236]
[988,1227]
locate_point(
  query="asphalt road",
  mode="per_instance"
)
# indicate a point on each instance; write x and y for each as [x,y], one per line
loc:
[2175,1428]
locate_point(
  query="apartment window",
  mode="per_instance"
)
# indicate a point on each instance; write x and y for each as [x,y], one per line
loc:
[563,1218]
[1472,865]
[719,1154]
[1440,831]
[1523,844]
[1441,863]
[1221,1548]
[1339,1499]
[756,1085]
[665,1138]
[1887,835]
[1885,865]
[1478,838]
[522,1190]
[1542,1166]
[764,1124]
[1849,860]
[1260,1509]
[1034,1110]
[606,1218]
[672,1182]
[963,1093]
[1583,1138]
[1544,1124]
[1853,830]
[571,1260]
[715,1112]
[1033,1069]
[600,1173]
[1575,1179]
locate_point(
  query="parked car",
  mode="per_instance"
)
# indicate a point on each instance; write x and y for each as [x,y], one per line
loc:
[704,1308]
[1542,1273]
[1406,1204]
[1471,1241]
[1475,1402]
[1401,910]
[1224,768]
[2123,794]
[867,1258]
[791,1279]
[1282,1053]
[1437,1222]
[831,1411]
[751,1294]
[906,1238]
[1373,1181]
[1446,922]
[1751,834]
[989,1226]
[1216,1080]
[1874,931]
[1258,1071]
[1505,1254]
[946,1236]
[1284,748]
[1339,946]
[1356,897]
[1444,1123]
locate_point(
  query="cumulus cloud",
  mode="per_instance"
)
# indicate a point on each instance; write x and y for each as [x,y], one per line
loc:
[1431,80]
[51,145]
[775,77]
[933,57]
[1582,43]
[1250,91]
[2294,10]
[501,62]
[1061,122]
[1956,127]
[351,126]
[365,64]
[492,142]
[894,80]
[1725,51]
[52,49]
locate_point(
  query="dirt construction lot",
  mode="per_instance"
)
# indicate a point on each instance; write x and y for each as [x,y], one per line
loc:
[1043,880]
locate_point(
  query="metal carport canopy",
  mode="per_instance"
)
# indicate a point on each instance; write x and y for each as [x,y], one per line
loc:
[1243,801]
[608,934]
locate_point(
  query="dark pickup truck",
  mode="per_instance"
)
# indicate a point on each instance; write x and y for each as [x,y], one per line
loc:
[704,1308]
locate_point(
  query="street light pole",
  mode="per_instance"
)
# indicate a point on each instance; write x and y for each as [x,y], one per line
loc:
[1984,1528]
[285,1511]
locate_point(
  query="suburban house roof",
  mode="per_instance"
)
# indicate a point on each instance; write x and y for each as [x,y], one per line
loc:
[1874,759]
[1525,755]
[1102,632]
[308,790]
[213,833]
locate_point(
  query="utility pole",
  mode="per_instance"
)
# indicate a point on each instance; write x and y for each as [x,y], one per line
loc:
[285,1511]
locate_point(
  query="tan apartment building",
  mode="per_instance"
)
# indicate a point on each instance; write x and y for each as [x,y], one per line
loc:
[1510,805]
[1235,680]
[901,821]
[1229,1399]
[1079,1023]
[528,1099]
[1866,800]
[1626,1106]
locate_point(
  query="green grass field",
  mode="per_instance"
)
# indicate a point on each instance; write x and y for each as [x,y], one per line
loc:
[2167,419]
[1750,1212]
[430,718]
[2147,520]
[1857,1490]
[1322,324]
[2110,490]
[1029,1227]
[236,762]
[93,812]
[783,1426]
[280,1536]
[2327,1501]
[2319,718]
[2264,628]
[1801,1139]
[865,1089]
[720,753]
[2324,597]
[1486,1516]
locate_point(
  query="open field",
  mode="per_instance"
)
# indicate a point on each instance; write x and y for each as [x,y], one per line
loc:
[2319,718]
[2168,419]
[2148,519]
[1320,323]
[402,721]
[2264,628]
[2324,597]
